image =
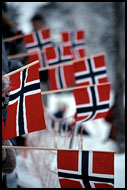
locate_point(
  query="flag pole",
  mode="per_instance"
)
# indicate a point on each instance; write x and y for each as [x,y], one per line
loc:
[13,38]
[22,35]
[52,66]
[20,69]
[70,62]
[70,89]
[32,53]
[17,37]
[46,148]
[73,136]
[16,56]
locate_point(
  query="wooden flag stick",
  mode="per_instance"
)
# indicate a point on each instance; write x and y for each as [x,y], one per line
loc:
[16,56]
[70,89]
[17,37]
[69,62]
[57,65]
[22,35]
[46,148]
[20,69]
[14,38]
[23,55]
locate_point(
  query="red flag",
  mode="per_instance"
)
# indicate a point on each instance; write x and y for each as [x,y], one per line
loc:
[56,55]
[61,77]
[25,109]
[36,43]
[73,38]
[38,40]
[84,169]
[77,40]
[90,71]
[92,102]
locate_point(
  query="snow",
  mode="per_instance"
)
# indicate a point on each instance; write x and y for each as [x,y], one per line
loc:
[24,176]
[120,171]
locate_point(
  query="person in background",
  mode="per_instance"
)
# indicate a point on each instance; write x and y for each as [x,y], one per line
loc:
[62,108]
[60,113]
[38,23]
[9,29]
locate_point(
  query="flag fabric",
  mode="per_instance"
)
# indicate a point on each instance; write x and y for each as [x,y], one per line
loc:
[61,77]
[25,108]
[92,102]
[77,40]
[85,169]
[56,55]
[90,71]
[36,43]
[38,40]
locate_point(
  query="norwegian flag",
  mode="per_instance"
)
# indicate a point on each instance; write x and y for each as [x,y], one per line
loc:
[92,102]
[37,41]
[55,55]
[90,71]
[77,40]
[61,77]
[84,169]
[25,109]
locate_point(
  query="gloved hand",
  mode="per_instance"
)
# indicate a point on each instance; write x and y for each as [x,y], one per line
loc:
[8,158]
[5,92]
